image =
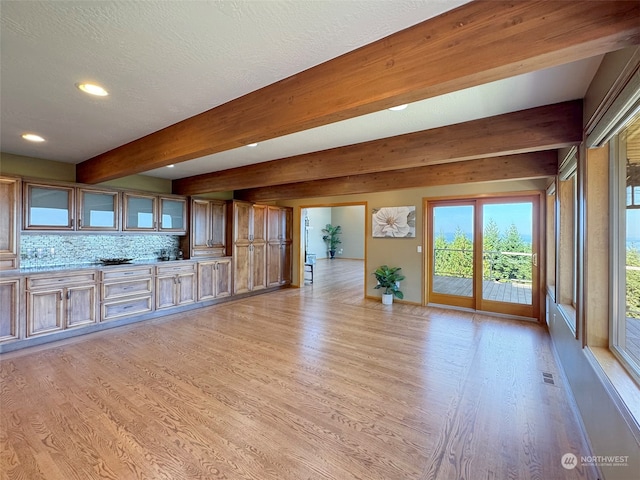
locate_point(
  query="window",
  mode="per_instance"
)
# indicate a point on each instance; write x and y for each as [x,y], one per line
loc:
[625,245]
[567,248]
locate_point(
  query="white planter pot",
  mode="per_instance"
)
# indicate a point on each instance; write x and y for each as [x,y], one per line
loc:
[387,298]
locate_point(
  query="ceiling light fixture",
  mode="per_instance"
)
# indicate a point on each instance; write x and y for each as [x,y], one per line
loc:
[32,137]
[399,107]
[170,166]
[252,145]
[92,89]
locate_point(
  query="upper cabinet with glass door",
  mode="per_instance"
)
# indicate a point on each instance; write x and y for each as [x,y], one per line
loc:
[98,210]
[49,207]
[140,211]
[173,215]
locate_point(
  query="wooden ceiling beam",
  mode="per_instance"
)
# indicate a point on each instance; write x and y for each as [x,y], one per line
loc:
[510,167]
[542,128]
[479,42]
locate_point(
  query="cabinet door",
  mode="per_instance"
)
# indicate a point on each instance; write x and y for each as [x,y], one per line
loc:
[9,290]
[139,212]
[173,215]
[274,224]
[219,227]
[223,278]
[186,292]
[242,222]
[274,260]
[48,207]
[44,311]
[259,223]
[166,291]
[241,270]
[200,231]
[98,210]
[258,266]
[81,305]
[9,191]
[286,268]
[206,280]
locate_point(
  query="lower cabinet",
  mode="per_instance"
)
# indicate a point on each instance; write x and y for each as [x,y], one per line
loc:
[126,291]
[175,285]
[60,302]
[9,309]
[214,279]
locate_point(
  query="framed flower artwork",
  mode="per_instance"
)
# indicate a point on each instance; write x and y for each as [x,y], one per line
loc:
[395,222]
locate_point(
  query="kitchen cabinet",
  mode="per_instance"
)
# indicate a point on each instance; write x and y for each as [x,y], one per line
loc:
[10,311]
[98,210]
[279,244]
[49,207]
[175,285]
[173,215]
[214,279]
[126,291]
[140,212]
[152,213]
[9,222]
[249,246]
[61,301]
[208,229]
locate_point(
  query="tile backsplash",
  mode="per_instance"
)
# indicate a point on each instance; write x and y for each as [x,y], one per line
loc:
[38,250]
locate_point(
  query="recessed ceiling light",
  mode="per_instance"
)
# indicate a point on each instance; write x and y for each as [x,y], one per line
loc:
[92,89]
[399,107]
[252,145]
[170,166]
[32,137]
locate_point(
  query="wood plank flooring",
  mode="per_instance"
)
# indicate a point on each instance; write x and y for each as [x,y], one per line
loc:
[309,383]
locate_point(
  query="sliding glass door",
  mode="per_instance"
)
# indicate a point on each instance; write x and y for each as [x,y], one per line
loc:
[483,254]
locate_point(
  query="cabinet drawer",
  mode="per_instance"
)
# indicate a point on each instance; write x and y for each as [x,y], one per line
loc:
[134,306]
[175,269]
[126,272]
[120,289]
[84,278]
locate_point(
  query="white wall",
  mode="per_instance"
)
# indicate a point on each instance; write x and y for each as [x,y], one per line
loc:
[351,219]
[318,218]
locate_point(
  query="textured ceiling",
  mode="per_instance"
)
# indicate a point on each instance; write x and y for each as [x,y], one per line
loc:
[164,61]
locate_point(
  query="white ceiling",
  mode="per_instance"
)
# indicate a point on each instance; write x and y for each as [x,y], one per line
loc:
[164,61]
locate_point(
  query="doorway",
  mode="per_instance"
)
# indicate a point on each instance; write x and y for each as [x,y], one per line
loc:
[483,254]
[352,219]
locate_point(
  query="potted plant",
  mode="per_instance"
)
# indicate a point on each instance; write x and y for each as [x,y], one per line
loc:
[331,238]
[389,279]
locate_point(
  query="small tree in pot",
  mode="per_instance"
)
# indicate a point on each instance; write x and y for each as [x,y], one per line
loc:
[388,278]
[331,238]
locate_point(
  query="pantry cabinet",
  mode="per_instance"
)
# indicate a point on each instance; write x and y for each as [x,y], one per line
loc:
[279,244]
[249,246]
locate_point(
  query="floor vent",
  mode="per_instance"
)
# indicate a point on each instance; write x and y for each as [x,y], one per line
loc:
[548,378]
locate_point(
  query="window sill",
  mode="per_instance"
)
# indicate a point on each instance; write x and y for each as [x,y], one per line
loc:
[626,392]
[569,315]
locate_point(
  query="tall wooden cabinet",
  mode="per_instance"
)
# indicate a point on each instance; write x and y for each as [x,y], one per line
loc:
[279,242]
[249,246]
[9,222]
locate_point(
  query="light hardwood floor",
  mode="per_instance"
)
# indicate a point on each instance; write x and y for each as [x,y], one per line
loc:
[308,383]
